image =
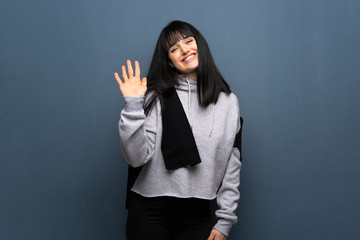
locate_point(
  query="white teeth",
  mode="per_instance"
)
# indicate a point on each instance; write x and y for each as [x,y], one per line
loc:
[187,58]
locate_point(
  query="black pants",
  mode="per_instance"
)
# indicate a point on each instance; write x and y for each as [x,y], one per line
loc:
[168,218]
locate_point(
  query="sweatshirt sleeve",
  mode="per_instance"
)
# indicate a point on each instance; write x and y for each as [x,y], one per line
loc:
[228,195]
[137,132]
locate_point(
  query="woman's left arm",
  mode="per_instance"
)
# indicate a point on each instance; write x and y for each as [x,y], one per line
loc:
[228,195]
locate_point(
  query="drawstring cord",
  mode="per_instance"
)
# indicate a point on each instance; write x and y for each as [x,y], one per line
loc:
[189,100]
[213,119]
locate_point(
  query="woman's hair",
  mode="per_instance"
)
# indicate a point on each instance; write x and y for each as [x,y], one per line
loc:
[162,77]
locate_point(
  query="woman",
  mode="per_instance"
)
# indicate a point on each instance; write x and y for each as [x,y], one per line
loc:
[180,125]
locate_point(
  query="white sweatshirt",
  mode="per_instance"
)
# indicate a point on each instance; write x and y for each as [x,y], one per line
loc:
[214,129]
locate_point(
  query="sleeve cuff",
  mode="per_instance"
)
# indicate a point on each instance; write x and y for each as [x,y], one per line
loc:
[223,226]
[133,104]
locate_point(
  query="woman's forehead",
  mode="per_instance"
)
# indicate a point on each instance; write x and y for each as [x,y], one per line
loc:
[176,36]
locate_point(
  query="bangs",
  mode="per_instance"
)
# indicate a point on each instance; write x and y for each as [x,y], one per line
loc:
[175,35]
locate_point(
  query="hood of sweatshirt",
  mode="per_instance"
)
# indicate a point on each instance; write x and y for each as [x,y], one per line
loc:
[186,84]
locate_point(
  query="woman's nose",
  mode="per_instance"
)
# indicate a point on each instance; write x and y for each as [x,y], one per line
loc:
[184,49]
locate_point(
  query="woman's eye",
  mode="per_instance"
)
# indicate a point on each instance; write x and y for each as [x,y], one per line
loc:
[189,41]
[173,50]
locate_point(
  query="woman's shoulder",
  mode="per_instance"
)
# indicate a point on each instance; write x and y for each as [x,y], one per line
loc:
[229,104]
[231,98]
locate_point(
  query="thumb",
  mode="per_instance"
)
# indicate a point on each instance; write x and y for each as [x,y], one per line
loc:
[144,81]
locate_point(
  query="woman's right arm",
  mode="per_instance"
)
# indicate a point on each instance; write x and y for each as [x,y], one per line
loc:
[137,131]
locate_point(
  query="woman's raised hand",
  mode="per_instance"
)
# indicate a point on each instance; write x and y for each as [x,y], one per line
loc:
[132,86]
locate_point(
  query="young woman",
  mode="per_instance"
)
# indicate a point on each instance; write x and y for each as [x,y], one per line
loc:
[179,129]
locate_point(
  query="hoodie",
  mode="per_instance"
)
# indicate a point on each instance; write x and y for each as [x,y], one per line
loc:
[214,129]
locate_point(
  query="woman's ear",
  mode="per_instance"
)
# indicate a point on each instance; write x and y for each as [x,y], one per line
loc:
[171,65]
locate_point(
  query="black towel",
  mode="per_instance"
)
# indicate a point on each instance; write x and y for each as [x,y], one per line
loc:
[178,143]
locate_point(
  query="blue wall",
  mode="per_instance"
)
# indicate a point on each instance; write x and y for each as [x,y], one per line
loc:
[294,65]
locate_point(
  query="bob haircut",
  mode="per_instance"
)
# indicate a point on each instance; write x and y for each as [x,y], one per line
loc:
[162,77]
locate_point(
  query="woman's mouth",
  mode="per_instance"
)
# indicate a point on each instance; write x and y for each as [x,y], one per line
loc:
[189,58]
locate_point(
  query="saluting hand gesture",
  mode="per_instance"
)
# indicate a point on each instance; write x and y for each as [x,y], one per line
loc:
[132,86]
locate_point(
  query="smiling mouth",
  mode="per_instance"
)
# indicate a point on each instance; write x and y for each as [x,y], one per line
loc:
[189,58]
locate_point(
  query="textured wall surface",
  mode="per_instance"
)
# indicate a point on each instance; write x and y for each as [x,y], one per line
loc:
[294,65]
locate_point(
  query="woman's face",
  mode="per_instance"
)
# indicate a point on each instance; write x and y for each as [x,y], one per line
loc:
[183,56]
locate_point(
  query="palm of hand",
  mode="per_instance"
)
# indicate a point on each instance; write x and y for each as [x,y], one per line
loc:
[132,86]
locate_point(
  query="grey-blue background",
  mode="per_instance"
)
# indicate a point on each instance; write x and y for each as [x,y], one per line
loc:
[294,65]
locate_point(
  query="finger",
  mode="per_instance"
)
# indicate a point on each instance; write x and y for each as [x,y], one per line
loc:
[137,69]
[130,69]
[123,71]
[215,235]
[116,75]
[212,235]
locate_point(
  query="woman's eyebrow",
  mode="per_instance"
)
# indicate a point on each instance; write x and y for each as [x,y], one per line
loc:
[175,44]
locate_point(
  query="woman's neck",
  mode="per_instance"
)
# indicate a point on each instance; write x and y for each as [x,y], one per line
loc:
[192,76]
